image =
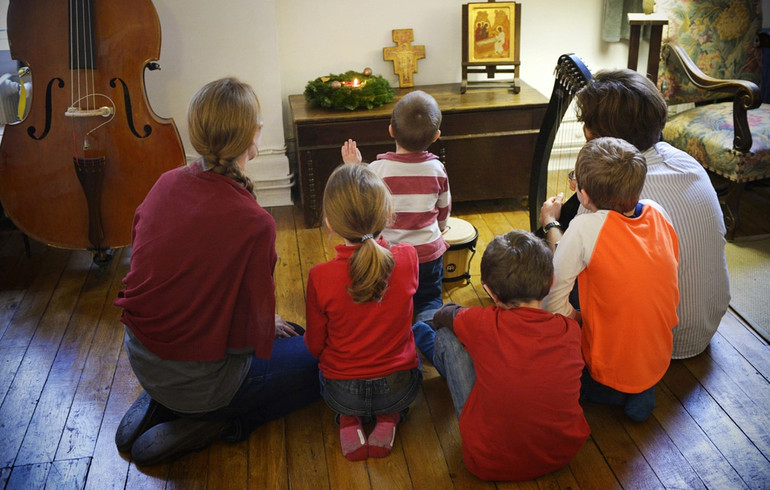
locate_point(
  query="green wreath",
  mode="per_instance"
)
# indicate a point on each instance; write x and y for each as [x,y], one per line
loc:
[338,92]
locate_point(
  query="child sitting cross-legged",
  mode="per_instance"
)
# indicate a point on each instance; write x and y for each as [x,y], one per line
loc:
[359,315]
[513,369]
[624,257]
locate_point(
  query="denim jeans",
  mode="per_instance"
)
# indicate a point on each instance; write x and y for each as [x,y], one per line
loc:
[424,339]
[454,363]
[370,397]
[272,388]
[638,406]
[427,299]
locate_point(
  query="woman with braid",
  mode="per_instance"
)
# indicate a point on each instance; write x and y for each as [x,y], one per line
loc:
[202,335]
[359,313]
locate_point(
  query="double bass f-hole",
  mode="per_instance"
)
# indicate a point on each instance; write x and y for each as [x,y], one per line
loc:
[129,111]
[48,108]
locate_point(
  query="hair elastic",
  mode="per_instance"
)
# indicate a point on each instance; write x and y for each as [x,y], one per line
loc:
[366,237]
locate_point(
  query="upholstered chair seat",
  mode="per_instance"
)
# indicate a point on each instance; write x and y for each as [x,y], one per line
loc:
[711,59]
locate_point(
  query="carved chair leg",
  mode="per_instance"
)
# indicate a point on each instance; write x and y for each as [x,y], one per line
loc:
[730,202]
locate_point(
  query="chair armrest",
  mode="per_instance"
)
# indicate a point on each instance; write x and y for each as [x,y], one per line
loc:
[746,94]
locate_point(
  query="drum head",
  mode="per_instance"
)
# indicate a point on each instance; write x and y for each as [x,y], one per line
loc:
[459,231]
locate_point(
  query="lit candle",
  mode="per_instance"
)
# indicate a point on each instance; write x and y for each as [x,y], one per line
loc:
[355,83]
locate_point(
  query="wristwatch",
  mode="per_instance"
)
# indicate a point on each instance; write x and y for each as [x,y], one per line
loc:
[551,225]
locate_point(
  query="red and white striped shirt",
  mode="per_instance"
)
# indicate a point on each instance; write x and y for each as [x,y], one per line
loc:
[421,198]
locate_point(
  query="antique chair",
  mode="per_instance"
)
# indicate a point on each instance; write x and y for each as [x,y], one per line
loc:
[710,57]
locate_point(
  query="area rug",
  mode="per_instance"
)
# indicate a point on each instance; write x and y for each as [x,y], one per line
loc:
[748,261]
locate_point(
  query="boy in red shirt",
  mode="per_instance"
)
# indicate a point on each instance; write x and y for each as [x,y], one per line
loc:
[513,369]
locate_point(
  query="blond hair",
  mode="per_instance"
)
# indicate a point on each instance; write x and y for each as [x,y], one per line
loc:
[223,118]
[357,205]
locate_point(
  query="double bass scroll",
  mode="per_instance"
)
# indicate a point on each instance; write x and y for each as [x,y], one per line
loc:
[571,75]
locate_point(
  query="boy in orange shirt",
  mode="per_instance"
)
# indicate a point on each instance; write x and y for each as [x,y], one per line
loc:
[624,256]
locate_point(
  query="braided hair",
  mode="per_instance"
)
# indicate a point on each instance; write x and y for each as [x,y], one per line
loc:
[223,119]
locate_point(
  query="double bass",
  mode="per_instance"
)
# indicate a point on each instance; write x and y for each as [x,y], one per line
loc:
[73,171]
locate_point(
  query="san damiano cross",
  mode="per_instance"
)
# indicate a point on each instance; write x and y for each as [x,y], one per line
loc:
[404,56]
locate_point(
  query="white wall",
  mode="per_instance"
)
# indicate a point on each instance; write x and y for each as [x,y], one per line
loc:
[330,43]
[203,40]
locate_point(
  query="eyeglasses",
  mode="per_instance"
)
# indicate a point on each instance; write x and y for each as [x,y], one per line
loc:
[571,174]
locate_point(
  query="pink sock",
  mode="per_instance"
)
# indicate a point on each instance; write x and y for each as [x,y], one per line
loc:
[352,438]
[384,433]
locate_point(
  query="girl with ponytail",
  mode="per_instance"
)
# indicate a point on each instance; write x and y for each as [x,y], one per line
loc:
[359,312]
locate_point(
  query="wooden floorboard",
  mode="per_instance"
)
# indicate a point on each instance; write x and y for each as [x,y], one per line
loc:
[65,383]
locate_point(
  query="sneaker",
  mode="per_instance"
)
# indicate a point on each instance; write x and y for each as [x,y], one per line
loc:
[384,434]
[142,415]
[170,440]
[352,438]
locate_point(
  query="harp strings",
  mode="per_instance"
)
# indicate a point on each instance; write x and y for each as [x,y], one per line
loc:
[562,158]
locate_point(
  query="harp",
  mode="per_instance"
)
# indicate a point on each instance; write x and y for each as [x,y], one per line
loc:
[571,75]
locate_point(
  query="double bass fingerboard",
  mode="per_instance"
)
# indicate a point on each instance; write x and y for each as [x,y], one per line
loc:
[81,35]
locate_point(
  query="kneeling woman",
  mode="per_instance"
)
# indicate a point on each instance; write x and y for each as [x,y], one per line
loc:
[202,335]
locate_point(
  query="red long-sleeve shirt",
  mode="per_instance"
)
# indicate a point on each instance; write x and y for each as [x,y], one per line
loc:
[361,340]
[201,278]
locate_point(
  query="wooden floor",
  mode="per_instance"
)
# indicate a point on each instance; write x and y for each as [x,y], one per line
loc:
[65,383]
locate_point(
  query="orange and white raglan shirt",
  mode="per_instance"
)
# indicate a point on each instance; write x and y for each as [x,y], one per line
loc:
[626,270]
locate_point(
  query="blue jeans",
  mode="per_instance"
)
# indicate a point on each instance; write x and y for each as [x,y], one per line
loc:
[427,299]
[272,388]
[638,406]
[451,359]
[370,397]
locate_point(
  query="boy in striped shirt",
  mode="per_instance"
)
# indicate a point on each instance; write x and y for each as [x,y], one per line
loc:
[420,187]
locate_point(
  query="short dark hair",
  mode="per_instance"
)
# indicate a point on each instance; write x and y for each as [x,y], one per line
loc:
[612,172]
[623,104]
[517,267]
[415,121]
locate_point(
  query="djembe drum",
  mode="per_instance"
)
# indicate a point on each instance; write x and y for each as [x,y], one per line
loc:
[461,236]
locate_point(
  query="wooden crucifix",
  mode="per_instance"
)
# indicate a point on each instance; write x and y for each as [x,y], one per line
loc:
[404,56]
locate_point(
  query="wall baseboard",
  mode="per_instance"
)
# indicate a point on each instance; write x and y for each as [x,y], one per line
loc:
[270,173]
[271,177]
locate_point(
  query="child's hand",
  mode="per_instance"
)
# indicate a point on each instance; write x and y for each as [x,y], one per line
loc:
[350,152]
[551,209]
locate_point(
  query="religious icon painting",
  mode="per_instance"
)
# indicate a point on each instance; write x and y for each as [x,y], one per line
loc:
[491,33]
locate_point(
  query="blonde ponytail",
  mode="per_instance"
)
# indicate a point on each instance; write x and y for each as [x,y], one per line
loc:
[357,205]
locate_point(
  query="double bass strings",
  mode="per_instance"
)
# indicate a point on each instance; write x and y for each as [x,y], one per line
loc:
[82,78]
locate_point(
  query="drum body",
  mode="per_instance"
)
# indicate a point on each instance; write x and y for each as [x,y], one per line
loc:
[462,237]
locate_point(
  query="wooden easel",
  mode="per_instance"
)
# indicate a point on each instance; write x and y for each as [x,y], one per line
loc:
[491,69]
